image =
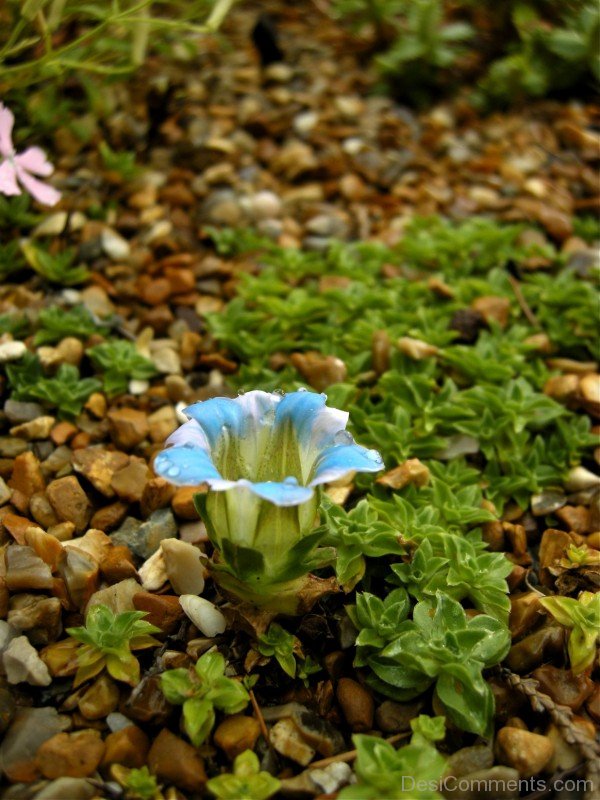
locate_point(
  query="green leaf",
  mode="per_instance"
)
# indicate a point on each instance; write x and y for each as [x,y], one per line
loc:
[198,719]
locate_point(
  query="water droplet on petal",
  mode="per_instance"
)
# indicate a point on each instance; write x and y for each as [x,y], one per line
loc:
[373,455]
[343,437]
[290,481]
[173,472]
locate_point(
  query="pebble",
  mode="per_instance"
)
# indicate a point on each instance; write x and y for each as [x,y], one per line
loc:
[128,746]
[72,788]
[38,616]
[580,478]
[392,717]
[99,465]
[173,760]
[19,411]
[162,610]
[563,686]
[204,614]
[22,664]
[114,246]
[128,482]
[470,759]
[5,492]
[183,567]
[12,351]
[128,427]
[70,502]
[411,472]
[286,738]
[118,597]
[235,734]
[26,570]
[34,429]
[319,371]
[72,755]
[357,704]
[100,699]
[524,751]
[153,572]
[30,728]
[547,503]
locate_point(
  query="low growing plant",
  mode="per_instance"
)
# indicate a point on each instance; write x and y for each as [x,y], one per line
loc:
[106,642]
[410,773]
[276,642]
[439,646]
[246,782]
[200,691]
[119,362]
[582,617]
[56,323]
[140,784]
[59,268]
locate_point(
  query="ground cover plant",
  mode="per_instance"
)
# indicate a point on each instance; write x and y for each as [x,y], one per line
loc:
[300,402]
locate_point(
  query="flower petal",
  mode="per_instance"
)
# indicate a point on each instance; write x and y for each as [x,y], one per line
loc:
[189,466]
[217,416]
[34,160]
[42,192]
[337,461]
[190,434]
[7,120]
[285,493]
[8,179]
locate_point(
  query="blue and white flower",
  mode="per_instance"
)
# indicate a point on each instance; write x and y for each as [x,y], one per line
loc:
[263,457]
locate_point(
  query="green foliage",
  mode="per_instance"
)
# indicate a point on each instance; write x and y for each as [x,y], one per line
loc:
[66,391]
[453,565]
[546,58]
[15,324]
[120,362]
[424,46]
[587,227]
[55,323]
[140,784]
[57,268]
[410,773]
[246,782]
[200,691]
[11,258]
[123,162]
[582,617]
[100,39]
[280,644]
[440,645]
[15,213]
[357,534]
[107,641]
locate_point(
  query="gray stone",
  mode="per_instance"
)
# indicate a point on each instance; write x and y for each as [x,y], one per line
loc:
[17,411]
[30,728]
[22,664]
[143,539]
[10,447]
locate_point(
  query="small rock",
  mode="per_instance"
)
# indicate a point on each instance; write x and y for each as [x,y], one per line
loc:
[547,503]
[30,728]
[153,572]
[411,471]
[19,411]
[11,447]
[116,247]
[35,429]
[5,493]
[72,755]
[235,734]
[589,387]
[183,567]
[576,518]
[580,478]
[524,751]
[117,564]
[26,570]
[12,351]
[175,761]
[73,788]
[183,502]
[70,502]
[357,704]
[204,614]
[563,686]
[416,349]
[287,740]
[162,610]
[118,597]
[99,699]
[162,424]
[129,482]
[38,616]
[23,664]
[147,703]
[80,573]
[98,466]
[525,612]
[128,427]
[470,759]
[319,371]
[493,309]
[535,648]
[565,757]
[496,783]
[128,746]
[392,717]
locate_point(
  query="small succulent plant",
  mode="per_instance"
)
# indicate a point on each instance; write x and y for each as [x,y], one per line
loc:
[200,691]
[246,782]
[582,617]
[107,640]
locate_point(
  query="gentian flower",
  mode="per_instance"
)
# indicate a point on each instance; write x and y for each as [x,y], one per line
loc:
[264,457]
[21,168]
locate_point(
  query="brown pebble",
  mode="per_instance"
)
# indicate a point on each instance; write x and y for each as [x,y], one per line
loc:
[236,734]
[526,752]
[175,761]
[71,755]
[357,704]
[128,746]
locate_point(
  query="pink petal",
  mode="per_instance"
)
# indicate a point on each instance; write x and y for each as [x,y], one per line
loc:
[8,179]
[7,121]
[34,160]
[40,191]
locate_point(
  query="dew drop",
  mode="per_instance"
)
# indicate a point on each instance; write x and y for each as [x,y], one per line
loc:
[173,472]
[290,481]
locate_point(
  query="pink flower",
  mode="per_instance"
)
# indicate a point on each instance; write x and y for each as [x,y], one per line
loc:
[21,168]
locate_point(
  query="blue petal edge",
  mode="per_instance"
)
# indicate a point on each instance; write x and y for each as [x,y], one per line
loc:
[337,461]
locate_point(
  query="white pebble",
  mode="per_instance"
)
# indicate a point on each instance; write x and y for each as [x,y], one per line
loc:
[12,351]
[23,664]
[205,616]
[182,562]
